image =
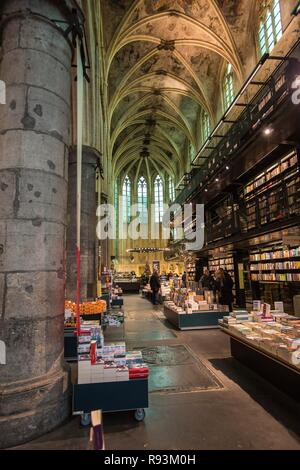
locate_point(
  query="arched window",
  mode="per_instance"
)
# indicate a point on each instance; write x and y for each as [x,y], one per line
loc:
[191,152]
[171,189]
[142,200]
[158,199]
[205,126]
[270,28]
[116,194]
[126,194]
[228,91]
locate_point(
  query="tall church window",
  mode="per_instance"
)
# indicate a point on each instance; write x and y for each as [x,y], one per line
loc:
[158,199]
[171,189]
[126,196]
[228,90]
[270,27]
[205,125]
[142,194]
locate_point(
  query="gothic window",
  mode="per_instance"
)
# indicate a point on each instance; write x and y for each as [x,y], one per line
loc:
[142,200]
[158,199]
[270,28]
[228,91]
[126,195]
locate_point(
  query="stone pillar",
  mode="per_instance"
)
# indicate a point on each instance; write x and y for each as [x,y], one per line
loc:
[35,64]
[88,275]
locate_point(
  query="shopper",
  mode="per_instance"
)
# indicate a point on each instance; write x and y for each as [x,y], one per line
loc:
[144,279]
[183,279]
[155,286]
[207,281]
[223,287]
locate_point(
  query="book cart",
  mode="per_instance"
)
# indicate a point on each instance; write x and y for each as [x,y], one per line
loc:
[114,396]
[130,395]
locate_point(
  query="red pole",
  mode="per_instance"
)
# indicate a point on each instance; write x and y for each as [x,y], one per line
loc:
[79,170]
[78,292]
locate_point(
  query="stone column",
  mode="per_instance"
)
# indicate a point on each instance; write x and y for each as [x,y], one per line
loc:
[90,159]
[35,64]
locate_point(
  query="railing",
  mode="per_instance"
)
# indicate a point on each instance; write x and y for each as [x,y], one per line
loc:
[264,103]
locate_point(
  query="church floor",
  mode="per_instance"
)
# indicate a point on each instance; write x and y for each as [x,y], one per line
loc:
[200,397]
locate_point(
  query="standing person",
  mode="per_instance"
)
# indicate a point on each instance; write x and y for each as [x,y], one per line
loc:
[144,279]
[207,281]
[223,287]
[155,286]
[183,279]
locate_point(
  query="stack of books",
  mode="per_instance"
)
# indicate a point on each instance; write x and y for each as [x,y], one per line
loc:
[99,362]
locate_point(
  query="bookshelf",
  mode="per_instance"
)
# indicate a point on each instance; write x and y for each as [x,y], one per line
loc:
[226,263]
[191,271]
[278,265]
[274,194]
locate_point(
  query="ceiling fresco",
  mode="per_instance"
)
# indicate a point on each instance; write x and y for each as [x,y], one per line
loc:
[164,63]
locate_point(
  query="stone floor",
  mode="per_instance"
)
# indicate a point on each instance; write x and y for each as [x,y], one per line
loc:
[236,410]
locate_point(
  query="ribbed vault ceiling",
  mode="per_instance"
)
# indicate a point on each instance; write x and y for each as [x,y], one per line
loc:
[164,60]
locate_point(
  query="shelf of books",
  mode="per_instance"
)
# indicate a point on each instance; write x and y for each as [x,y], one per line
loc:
[277,265]
[274,194]
[226,263]
[191,271]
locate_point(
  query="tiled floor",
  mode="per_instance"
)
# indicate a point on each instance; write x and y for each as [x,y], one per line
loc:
[243,412]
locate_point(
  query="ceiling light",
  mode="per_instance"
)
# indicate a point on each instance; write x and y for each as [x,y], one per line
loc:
[227,167]
[268,131]
[217,180]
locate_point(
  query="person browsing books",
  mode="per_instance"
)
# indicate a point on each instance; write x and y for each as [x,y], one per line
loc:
[223,287]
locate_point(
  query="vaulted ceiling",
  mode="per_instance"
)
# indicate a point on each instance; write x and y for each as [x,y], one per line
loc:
[164,62]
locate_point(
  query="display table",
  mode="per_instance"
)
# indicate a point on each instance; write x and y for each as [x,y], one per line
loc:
[117,303]
[92,317]
[70,336]
[280,373]
[194,321]
[128,287]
